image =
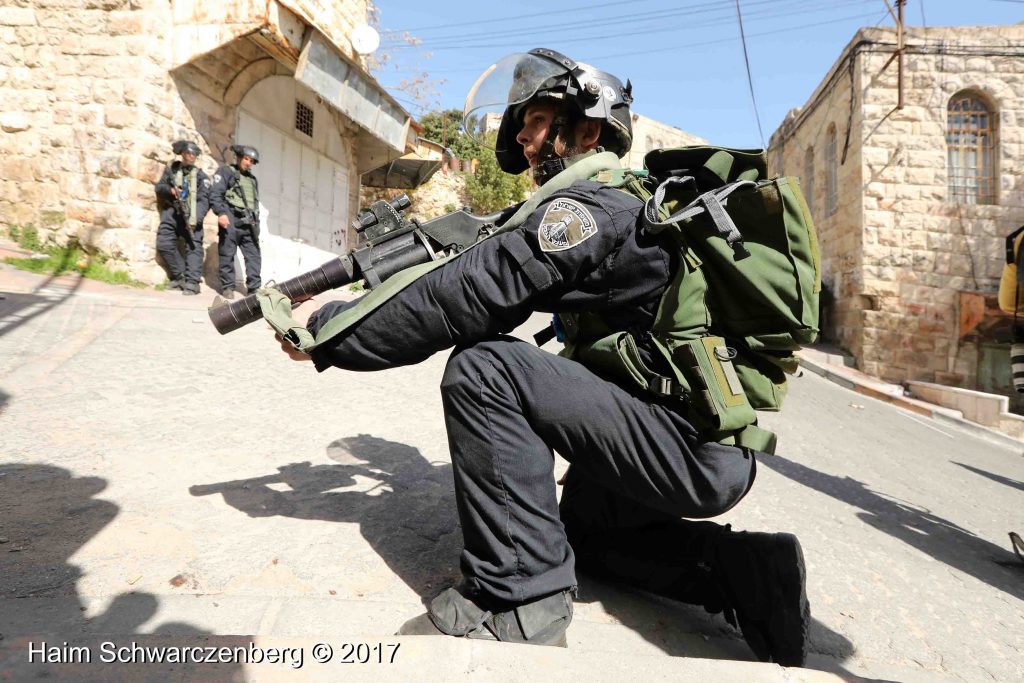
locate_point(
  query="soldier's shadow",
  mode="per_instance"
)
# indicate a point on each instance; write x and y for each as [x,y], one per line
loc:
[405,508]
[403,504]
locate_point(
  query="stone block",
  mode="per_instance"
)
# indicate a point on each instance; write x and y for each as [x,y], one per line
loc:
[16,168]
[121,117]
[17,16]
[14,121]
[127,244]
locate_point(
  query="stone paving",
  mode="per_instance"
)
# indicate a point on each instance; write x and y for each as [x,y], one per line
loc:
[159,481]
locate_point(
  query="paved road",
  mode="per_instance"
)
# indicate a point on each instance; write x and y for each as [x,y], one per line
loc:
[157,478]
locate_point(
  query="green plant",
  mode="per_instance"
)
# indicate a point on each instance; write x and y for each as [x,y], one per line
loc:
[71,259]
[27,237]
[445,127]
[490,188]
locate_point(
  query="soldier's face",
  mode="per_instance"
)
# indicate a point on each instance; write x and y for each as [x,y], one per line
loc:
[245,163]
[536,124]
[188,158]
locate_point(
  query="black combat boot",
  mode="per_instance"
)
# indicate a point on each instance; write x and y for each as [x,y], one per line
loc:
[762,578]
[755,579]
[454,613]
[228,293]
[176,283]
[190,288]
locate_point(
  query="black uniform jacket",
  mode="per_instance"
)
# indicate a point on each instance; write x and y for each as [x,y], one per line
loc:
[615,268]
[164,196]
[222,182]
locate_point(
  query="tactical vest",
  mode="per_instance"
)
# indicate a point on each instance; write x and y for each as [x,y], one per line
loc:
[744,297]
[179,183]
[242,193]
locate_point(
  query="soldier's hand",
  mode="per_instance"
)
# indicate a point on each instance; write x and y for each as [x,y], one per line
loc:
[174,192]
[222,221]
[292,352]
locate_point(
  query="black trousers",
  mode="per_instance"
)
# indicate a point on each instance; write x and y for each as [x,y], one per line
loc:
[634,464]
[183,262]
[239,238]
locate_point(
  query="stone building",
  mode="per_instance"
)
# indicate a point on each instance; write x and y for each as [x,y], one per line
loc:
[913,189]
[94,91]
[649,134]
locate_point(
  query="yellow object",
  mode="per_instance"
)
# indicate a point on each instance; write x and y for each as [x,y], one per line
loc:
[1008,296]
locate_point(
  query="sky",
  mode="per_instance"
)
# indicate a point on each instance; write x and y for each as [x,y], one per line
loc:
[685,58]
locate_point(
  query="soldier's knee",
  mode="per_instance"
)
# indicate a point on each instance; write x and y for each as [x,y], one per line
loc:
[472,361]
[727,475]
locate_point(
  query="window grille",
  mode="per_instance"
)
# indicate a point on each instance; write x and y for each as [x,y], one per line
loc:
[831,173]
[809,179]
[970,144]
[303,119]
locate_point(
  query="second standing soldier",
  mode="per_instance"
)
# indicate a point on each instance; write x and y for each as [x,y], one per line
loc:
[236,201]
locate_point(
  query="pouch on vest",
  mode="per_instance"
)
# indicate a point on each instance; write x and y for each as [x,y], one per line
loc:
[1012,279]
[715,391]
[754,237]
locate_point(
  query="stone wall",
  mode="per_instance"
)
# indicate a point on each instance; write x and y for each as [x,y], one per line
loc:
[827,113]
[907,249]
[92,101]
[649,134]
[86,111]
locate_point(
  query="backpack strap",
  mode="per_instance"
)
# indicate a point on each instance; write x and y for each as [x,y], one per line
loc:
[711,202]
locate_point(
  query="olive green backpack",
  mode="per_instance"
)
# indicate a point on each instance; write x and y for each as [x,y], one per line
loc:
[743,299]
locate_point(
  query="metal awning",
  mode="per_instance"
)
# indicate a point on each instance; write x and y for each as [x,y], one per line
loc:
[345,87]
[409,171]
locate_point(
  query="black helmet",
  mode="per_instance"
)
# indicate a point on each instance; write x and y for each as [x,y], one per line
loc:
[246,151]
[519,79]
[182,146]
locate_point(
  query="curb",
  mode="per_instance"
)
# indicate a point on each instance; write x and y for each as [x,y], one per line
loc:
[854,380]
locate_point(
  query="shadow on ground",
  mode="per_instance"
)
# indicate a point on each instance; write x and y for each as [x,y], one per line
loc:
[405,509]
[17,309]
[917,527]
[1012,483]
[47,514]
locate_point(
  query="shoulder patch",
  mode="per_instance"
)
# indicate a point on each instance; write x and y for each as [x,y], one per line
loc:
[216,177]
[206,182]
[565,224]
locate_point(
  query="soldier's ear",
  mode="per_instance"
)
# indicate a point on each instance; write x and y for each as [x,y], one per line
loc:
[588,133]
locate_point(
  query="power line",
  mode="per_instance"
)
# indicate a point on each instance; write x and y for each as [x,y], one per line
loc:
[645,32]
[512,18]
[750,79]
[640,25]
[726,40]
[619,19]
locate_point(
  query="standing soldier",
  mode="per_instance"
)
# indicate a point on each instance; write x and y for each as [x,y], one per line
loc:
[183,197]
[236,201]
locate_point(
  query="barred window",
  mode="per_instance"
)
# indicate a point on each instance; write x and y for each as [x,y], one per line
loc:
[831,173]
[809,178]
[303,119]
[970,144]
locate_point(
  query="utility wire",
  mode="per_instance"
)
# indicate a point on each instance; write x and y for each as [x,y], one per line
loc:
[637,25]
[620,20]
[512,18]
[597,58]
[645,32]
[750,79]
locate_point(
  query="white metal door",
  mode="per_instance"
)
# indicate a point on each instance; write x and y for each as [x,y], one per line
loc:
[305,196]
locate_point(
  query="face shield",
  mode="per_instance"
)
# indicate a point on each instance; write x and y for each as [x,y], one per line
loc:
[509,82]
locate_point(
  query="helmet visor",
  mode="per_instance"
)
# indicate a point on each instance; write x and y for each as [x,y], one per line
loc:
[510,81]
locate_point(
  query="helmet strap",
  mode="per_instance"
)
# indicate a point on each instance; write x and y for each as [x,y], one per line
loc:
[550,163]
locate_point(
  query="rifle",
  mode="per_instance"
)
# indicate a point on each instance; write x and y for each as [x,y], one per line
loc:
[392,244]
[182,212]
